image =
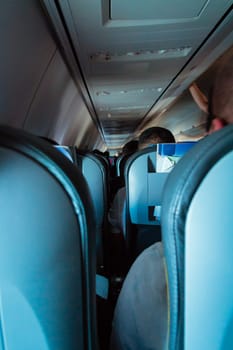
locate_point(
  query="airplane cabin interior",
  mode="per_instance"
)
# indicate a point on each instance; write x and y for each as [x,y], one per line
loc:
[79,79]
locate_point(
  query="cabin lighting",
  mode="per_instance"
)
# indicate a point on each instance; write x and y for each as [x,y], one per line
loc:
[124,108]
[130,91]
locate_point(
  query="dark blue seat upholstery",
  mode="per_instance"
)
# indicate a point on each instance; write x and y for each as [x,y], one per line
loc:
[145,178]
[96,176]
[47,243]
[118,162]
[144,187]
[142,227]
[197,238]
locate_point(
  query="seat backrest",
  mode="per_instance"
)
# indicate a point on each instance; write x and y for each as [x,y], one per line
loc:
[144,187]
[146,173]
[66,151]
[95,175]
[197,238]
[118,161]
[120,164]
[141,202]
[47,248]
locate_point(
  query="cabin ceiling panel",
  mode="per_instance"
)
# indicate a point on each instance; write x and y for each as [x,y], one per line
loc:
[131,51]
[23,59]
[174,9]
[122,117]
[128,69]
[117,103]
[58,111]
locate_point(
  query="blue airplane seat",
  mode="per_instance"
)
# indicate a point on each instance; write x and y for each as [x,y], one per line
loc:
[47,248]
[142,224]
[120,164]
[118,161]
[96,176]
[146,173]
[197,238]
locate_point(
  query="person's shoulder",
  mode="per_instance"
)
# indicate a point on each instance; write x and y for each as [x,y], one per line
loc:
[155,250]
[121,192]
[151,258]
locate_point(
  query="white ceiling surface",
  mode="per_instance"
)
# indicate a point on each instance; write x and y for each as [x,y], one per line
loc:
[130,51]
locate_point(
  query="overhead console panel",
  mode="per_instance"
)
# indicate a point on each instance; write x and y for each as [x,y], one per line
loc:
[178,10]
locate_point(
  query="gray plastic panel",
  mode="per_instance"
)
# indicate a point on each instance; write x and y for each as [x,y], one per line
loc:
[27,48]
[178,9]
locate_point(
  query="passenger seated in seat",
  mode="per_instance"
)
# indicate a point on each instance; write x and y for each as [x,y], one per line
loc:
[140,319]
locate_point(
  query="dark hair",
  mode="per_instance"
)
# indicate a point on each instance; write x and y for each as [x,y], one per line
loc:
[155,135]
[130,147]
[106,154]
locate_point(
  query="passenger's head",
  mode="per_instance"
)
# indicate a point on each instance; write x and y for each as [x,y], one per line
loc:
[155,135]
[221,97]
[106,154]
[130,147]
